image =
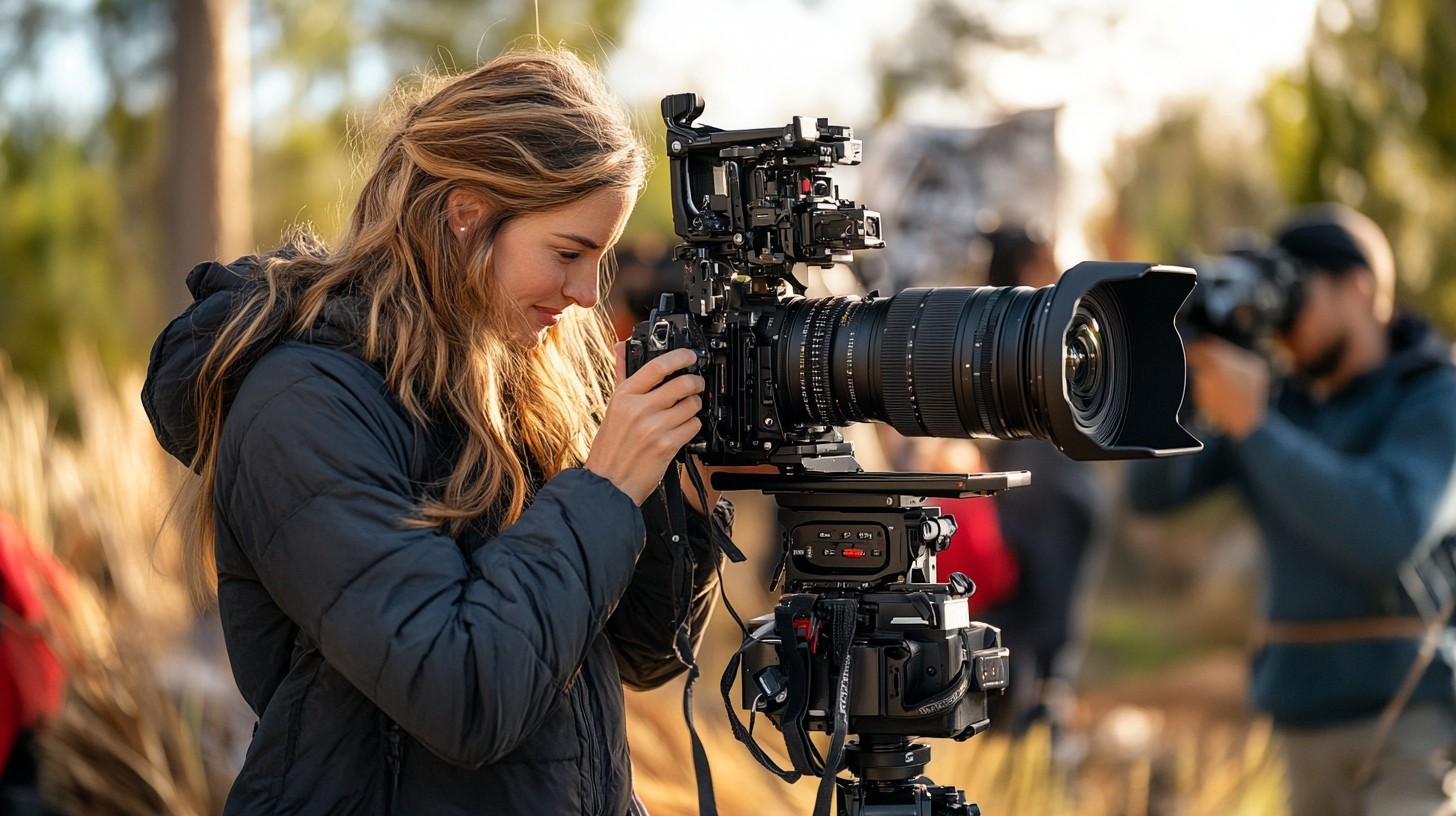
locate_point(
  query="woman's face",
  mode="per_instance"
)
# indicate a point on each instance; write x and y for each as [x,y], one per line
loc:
[549,262]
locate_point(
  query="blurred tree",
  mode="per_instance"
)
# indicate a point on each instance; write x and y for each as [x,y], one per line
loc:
[208,170]
[1186,185]
[1370,120]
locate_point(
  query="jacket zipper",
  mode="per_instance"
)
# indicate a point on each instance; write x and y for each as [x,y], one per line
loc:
[396,759]
[591,745]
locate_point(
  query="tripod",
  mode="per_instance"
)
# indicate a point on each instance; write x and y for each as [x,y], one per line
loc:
[855,647]
[890,782]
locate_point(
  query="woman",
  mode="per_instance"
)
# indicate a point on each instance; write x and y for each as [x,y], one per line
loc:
[431,565]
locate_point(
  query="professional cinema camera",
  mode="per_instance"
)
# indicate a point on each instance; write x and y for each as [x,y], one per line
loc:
[1246,296]
[867,639]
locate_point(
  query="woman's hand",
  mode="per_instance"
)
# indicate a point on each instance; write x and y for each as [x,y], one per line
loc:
[649,418]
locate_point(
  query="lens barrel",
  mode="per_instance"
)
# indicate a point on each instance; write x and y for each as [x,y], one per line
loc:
[1094,363]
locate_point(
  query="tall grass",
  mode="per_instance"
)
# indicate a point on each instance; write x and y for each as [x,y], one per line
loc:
[124,742]
[1209,771]
[140,732]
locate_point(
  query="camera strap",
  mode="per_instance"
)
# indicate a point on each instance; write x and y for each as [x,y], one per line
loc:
[798,629]
[716,543]
[841,639]
[1430,579]
[684,567]
[742,734]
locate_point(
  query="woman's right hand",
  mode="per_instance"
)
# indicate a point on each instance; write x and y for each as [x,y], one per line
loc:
[649,418]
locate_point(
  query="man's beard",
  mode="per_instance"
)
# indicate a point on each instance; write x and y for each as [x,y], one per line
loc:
[1328,362]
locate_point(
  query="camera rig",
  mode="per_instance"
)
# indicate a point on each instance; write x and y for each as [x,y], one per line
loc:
[867,639]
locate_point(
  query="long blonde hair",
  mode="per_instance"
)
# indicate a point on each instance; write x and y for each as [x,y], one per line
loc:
[527,132]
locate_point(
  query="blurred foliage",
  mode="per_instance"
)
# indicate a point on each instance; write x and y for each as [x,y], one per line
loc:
[1185,185]
[147,726]
[942,54]
[80,179]
[74,245]
[1369,120]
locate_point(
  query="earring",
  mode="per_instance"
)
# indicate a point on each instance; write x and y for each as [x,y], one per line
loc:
[462,229]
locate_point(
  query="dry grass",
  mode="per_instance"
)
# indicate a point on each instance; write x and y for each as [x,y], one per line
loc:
[123,743]
[133,740]
[1208,771]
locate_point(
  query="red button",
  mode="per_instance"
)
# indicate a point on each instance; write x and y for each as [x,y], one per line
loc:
[853,552]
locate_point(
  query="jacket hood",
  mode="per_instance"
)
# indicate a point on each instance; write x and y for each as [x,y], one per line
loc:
[169,392]
[1416,346]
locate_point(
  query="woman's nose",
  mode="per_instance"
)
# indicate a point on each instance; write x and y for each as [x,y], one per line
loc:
[584,288]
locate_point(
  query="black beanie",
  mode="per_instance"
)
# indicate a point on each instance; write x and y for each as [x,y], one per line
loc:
[1336,239]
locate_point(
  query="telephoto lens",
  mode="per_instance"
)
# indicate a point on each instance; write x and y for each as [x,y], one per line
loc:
[1093,363]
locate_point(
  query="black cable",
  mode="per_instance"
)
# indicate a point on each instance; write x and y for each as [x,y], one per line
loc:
[696,477]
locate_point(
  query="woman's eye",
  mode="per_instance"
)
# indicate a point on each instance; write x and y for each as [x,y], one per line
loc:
[567,255]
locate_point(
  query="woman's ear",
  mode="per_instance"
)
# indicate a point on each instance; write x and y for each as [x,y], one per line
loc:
[465,213]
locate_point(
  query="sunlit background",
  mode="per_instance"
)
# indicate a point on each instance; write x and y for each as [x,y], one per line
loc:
[138,137]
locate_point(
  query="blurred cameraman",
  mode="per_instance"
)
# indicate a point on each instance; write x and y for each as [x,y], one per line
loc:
[1349,467]
[1051,525]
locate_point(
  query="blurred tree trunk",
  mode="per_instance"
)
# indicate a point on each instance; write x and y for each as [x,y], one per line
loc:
[209,167]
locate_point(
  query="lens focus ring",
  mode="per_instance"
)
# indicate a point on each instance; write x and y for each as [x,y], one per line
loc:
[934,380]
[901,324]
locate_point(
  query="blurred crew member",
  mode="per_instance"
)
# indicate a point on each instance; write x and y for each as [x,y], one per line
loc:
[1050,524]
[1349,468]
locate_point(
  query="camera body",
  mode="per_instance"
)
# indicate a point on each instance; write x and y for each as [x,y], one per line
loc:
[750,205]
[1247,296]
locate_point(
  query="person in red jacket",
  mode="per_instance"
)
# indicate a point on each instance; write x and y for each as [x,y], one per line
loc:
[32,681]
